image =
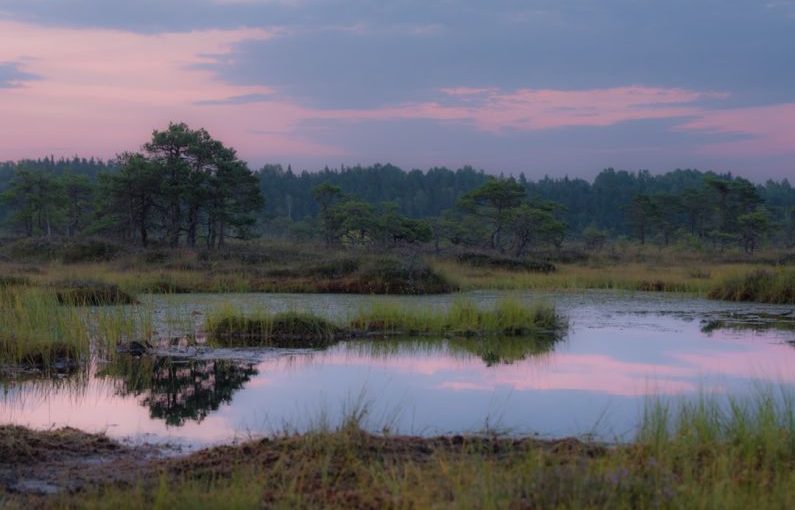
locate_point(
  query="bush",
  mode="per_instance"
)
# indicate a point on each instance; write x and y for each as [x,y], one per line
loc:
[88,251]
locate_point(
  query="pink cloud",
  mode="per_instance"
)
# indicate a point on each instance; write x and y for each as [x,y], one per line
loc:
[101,92]
[493,110]
[765,129]
[105,90]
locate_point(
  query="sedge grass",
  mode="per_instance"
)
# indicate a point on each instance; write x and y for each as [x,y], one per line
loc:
[37,331]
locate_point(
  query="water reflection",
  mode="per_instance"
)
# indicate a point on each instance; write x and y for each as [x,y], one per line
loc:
[177,390]
[491,351]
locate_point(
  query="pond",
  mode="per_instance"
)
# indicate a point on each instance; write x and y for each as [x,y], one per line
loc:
[620,350]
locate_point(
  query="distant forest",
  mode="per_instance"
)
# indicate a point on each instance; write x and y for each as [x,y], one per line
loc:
[194,193]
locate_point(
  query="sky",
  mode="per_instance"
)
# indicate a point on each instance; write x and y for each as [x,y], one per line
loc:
[544,87]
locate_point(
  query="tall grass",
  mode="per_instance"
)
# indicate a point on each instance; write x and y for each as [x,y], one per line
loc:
[36,331]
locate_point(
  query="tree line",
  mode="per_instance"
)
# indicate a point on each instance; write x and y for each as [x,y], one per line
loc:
[184,187]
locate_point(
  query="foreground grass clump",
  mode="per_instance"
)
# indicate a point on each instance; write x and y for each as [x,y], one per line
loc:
[289,329]
[35,332]
[711,454]
[762,285]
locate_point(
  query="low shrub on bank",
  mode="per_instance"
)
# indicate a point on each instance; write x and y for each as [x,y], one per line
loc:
[386,275]
[511,264]
[66,251]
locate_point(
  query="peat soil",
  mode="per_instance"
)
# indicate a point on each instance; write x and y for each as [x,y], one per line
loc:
[36,466]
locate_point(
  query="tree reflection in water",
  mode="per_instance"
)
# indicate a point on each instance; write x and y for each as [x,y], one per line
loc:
[178,390]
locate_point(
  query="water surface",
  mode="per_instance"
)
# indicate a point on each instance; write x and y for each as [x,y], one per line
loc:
[620,349]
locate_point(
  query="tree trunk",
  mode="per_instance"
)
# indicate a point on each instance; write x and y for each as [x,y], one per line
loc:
[221,234]
[193,219]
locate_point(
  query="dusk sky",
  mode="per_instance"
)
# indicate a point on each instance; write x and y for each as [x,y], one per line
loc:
[542,86]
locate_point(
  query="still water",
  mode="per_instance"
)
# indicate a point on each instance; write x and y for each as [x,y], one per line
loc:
[620,349]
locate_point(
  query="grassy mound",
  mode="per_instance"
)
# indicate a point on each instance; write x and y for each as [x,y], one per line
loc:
[287,330]
[509,318]
[762,286]
[91,293]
